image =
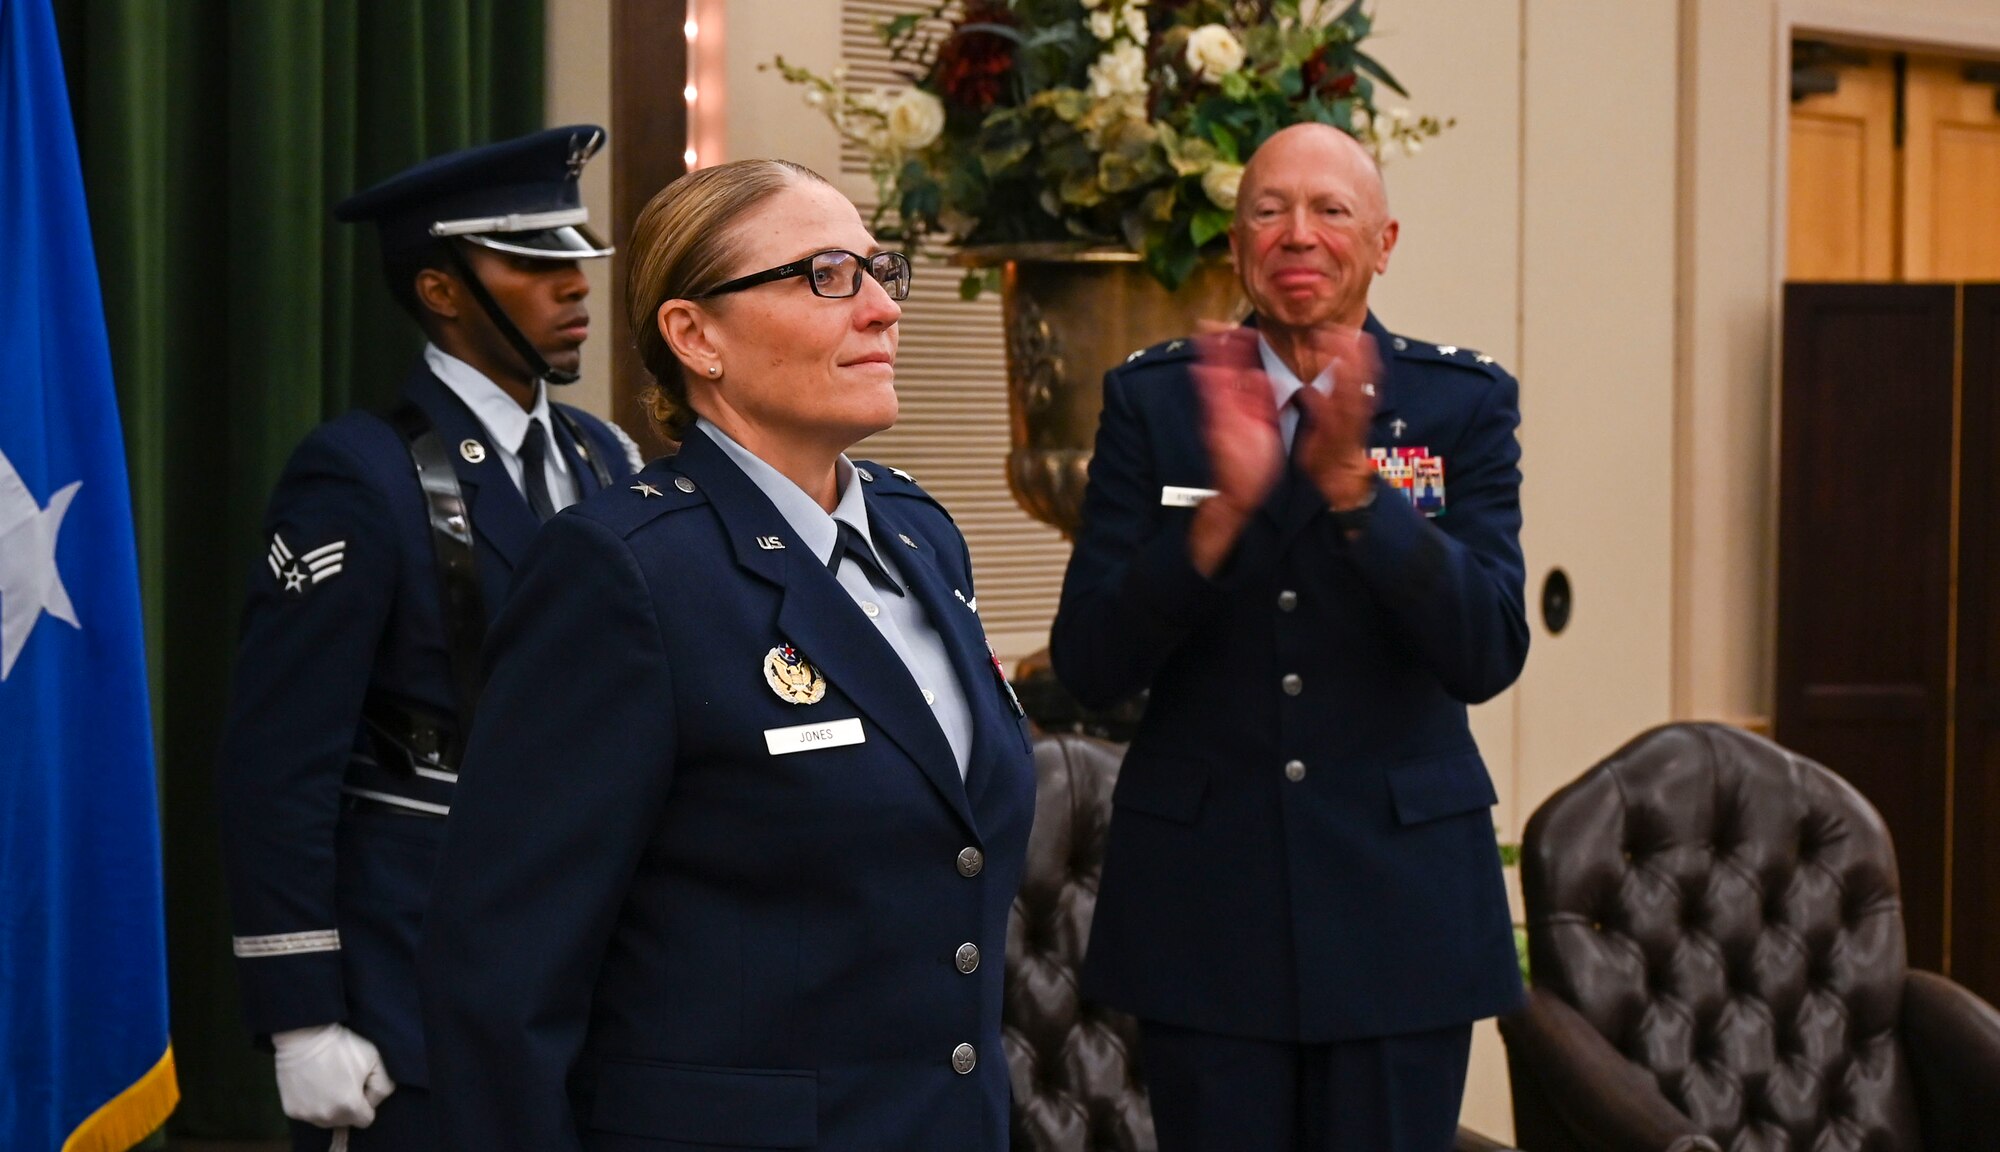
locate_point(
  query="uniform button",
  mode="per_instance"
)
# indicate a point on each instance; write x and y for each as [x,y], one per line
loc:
[1292,684]
[871,608]
[1295,770]
[684,484]
[964,1059]
[970,861]
[930,697]
[968,958]
[1287,600]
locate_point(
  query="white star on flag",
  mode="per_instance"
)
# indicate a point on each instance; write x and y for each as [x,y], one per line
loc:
[29,582]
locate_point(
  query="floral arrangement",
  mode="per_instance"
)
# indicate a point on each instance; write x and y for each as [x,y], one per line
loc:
[1101,122]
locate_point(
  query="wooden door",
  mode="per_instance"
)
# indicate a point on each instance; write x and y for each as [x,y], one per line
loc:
[1843,209]
[1974,847]
[1864,555]
[1951,173]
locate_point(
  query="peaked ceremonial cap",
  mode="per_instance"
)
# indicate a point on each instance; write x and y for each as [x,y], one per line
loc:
[518,196]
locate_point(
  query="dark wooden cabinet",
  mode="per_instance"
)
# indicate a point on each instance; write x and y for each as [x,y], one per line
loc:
[1888,652]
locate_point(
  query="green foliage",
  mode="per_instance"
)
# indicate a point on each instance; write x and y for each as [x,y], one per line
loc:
[1112,125]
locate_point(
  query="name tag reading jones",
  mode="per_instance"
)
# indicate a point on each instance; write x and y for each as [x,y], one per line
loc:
[806,737]
[1172,497]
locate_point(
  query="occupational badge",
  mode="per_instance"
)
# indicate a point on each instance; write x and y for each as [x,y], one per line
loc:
[794,680]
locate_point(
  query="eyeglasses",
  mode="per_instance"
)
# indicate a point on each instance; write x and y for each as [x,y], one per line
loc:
[834,274]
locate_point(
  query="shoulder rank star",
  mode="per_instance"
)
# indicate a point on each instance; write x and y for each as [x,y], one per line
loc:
[794,680]
[646,490]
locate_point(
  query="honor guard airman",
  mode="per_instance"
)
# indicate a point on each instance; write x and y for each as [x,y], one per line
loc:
[389,543]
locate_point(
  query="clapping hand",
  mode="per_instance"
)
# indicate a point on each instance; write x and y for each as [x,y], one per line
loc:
[1239,418]
[1334,448]
[1240,429]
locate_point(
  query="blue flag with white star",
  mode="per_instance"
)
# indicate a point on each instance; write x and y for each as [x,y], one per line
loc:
[85,1063]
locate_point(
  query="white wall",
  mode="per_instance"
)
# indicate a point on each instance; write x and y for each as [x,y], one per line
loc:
[579,92]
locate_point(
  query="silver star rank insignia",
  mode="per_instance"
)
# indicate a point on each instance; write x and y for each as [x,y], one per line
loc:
[646,490]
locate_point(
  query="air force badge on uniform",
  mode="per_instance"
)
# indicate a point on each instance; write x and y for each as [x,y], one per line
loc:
[794,680]
[297,574]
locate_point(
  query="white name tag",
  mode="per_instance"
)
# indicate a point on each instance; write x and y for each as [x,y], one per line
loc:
[1172,497]
[806,737]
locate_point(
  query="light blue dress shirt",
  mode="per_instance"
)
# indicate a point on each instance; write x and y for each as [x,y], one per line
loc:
[1285,382]
[507,422]
[900,619]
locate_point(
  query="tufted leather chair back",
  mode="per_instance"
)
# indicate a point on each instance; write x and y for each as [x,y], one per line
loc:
[1726,914]
[1076,1078]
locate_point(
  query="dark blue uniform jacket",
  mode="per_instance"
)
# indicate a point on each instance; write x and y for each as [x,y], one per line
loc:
[327,903]
[1363,898]
[648,930]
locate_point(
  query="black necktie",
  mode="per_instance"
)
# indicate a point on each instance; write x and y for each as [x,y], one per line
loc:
[1296,402]
[853,543]
[535,472]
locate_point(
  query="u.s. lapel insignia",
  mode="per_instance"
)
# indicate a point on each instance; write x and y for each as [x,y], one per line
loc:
[771,543]
[794,680]
[472,450]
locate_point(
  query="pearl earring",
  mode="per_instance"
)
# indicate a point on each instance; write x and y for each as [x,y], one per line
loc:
[715,369]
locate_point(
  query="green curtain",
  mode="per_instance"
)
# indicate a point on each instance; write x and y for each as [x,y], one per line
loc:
[216,136]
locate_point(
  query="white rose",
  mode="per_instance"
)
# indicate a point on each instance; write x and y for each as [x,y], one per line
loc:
[1213,52]
[915,119]
[1135,22]
[1103,25]
[1220,182]
[1119,71]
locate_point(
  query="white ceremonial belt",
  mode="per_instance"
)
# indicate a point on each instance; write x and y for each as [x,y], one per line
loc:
[398,801]
[287,943]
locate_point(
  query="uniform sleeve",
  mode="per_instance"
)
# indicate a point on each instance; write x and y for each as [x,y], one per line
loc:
[563,782]
[1454,585]
[319,599]
[1131,593]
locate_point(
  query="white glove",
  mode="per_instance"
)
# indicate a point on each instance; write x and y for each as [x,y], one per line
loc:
[330,1077]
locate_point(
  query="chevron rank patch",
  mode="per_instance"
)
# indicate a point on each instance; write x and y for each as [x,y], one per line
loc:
[296,574]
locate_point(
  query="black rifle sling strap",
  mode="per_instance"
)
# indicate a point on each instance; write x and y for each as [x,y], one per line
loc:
[464,608]
[583,445]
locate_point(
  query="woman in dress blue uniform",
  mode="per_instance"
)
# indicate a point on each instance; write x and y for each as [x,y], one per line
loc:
[748,799]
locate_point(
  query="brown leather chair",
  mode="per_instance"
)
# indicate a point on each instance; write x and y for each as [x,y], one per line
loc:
[1716,938]
[1076,1067]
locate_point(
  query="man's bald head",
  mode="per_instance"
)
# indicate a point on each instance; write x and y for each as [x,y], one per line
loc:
[1315,143]
[1312,228]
